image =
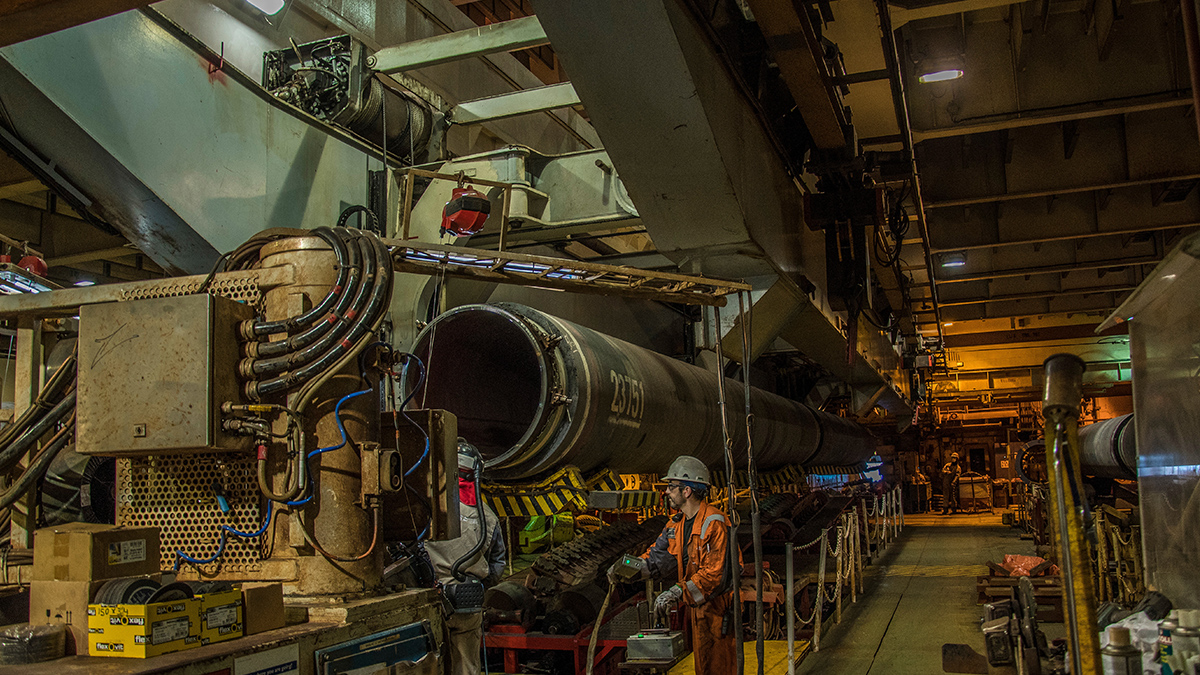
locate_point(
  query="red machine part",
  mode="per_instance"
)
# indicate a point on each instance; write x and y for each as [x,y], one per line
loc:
[466,212]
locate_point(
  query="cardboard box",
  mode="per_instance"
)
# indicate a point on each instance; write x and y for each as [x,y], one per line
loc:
[264,607]
[66,602]
[142,631]
[221,616]
[93,552]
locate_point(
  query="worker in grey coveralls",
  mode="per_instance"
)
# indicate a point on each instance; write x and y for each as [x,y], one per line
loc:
[466,630]
[950,473]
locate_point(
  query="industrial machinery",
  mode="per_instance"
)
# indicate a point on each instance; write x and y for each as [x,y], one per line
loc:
[259,417]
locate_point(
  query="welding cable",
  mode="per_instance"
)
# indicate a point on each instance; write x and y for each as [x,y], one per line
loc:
[337,416]
[312,540]
[301,349]
[365,324]
[478,548]
[38,466]
[346,267]
[63,377]
[17,449]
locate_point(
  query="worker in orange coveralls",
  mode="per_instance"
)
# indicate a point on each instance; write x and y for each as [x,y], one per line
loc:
[694,544]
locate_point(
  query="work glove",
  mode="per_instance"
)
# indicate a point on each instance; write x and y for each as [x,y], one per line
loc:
[667,600]
[628,569]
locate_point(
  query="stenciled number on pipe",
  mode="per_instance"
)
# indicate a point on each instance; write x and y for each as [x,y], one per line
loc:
[629,398]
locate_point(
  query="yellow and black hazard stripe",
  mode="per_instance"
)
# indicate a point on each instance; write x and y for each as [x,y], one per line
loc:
[605,480]
[788,475]
[563,491]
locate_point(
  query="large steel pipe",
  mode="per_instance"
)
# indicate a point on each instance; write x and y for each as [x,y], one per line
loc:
[535,392]
[1109,448]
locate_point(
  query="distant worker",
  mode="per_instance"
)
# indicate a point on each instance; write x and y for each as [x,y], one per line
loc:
[950,473]
[466,565]
[693,549]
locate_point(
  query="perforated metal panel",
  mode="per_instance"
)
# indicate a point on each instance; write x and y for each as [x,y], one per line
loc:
[243,290]
[175,493]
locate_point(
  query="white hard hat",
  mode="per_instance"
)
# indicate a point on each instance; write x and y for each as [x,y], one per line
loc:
[689,469]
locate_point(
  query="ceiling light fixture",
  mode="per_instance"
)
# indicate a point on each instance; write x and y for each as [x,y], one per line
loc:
[15,279]
[940,75]
[85,282]
[957,259]
[268,7]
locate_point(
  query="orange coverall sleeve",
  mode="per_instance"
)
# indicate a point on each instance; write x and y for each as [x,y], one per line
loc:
[711,560]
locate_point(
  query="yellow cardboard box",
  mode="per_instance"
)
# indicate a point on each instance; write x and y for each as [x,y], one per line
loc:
[142,631]
[221,616]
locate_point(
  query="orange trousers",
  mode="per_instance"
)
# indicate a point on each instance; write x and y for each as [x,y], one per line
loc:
[714,654]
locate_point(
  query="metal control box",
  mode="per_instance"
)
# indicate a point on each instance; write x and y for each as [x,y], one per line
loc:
[655,645]
[154,373]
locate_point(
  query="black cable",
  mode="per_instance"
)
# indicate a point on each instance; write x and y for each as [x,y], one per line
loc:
[217,267]
[454,570]
[37,468]
[14,452]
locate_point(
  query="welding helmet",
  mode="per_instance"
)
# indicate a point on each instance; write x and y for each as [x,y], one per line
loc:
[468,457]
[690,469]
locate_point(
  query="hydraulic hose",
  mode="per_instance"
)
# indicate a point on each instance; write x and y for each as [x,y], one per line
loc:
[347,300]
[307,346]
[309,389]
[345,269]
[37,468]
[366,322]
[63,376]
[14,452]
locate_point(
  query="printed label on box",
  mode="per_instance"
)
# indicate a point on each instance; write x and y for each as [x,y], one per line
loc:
[221,616]
[122,552]
[169,630]
[278,661]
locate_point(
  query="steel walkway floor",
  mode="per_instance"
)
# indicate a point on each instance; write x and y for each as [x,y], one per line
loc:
[920,594]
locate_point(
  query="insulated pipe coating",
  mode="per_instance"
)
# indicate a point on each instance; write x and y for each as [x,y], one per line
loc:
[1109,448]
[535,393]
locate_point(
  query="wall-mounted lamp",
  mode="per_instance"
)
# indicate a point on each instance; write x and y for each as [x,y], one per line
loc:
[268,7]
[956,259]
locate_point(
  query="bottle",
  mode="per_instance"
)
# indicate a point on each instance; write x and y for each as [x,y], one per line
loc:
[1119,656]
[1166,629]
[1185,641]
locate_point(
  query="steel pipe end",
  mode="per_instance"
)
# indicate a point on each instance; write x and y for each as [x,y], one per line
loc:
[1063,384]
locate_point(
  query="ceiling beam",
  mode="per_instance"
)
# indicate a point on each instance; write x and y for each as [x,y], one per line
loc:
[22,20]
[1013,196]
[1053,269]
[797,51]
[505,36]
[1066,237]
[1056,115]
[20,188]
[88,256]
[1037,295]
